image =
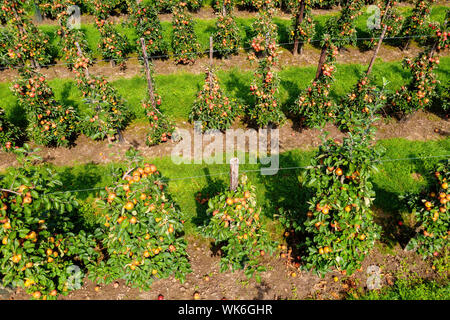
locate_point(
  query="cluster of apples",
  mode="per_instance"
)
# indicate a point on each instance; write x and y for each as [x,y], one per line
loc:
[50,123]
[144,18]
[142,228]
[212,107]
[185,45]
[226,38]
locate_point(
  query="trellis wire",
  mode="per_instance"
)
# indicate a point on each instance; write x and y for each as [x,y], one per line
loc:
[253,170]
[206,52]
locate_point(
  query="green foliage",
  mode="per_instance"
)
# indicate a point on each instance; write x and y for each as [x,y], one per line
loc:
[212,107]
[314,105]
[112,44]
[415,25]
[342,29]
[104,8]
[431,210]
[107,114]
[142,231]
[226,38]
[339,228]
[265,86]
[25,43]
[49,122]
[418,94]
[235,225]
[42,237]
[9,134]
[393,20]
[144,18]
[161,127]
[168,5]
[5,39]
[354,106]
[185,46]
[302,26]
[405,289]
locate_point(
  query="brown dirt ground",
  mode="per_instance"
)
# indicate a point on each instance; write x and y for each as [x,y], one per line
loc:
[205,13]
[277,282]
[208,13]
[309,57]
[420,126]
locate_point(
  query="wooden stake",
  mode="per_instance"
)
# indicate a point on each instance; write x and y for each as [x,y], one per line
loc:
[234,173]
[298,21]
[211,51]
[383,33]
[369,69]
[148,74]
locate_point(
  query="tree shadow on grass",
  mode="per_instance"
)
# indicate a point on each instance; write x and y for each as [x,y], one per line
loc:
[247,34]
[386,212]
[235,84]
[53,49]
[18,116]
[212,188]
[65,93]
[287,201]
[81,178]
[293,92]
[283,35]
[388,206]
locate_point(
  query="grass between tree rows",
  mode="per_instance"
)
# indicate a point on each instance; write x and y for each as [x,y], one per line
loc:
[205,28]
[178,91]
[282,190]
[403,289]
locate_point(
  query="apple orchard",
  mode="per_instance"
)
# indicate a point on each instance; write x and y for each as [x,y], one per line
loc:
[236,69]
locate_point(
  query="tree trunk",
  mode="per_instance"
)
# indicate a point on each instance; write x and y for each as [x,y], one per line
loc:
[323,55]
[299,20]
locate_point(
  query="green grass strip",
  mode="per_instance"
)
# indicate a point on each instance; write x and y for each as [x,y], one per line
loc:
[410,290]
[178,90]
[205,28]
[282,190]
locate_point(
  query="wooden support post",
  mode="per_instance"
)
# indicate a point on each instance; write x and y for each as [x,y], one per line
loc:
[151,92]
[383,33]
[372,61]
[299,19]
[148,74]
[234,173]
[211,51]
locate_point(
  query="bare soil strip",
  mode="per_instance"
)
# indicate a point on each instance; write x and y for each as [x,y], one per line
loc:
[309,57]
[420,126]
[282,280]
